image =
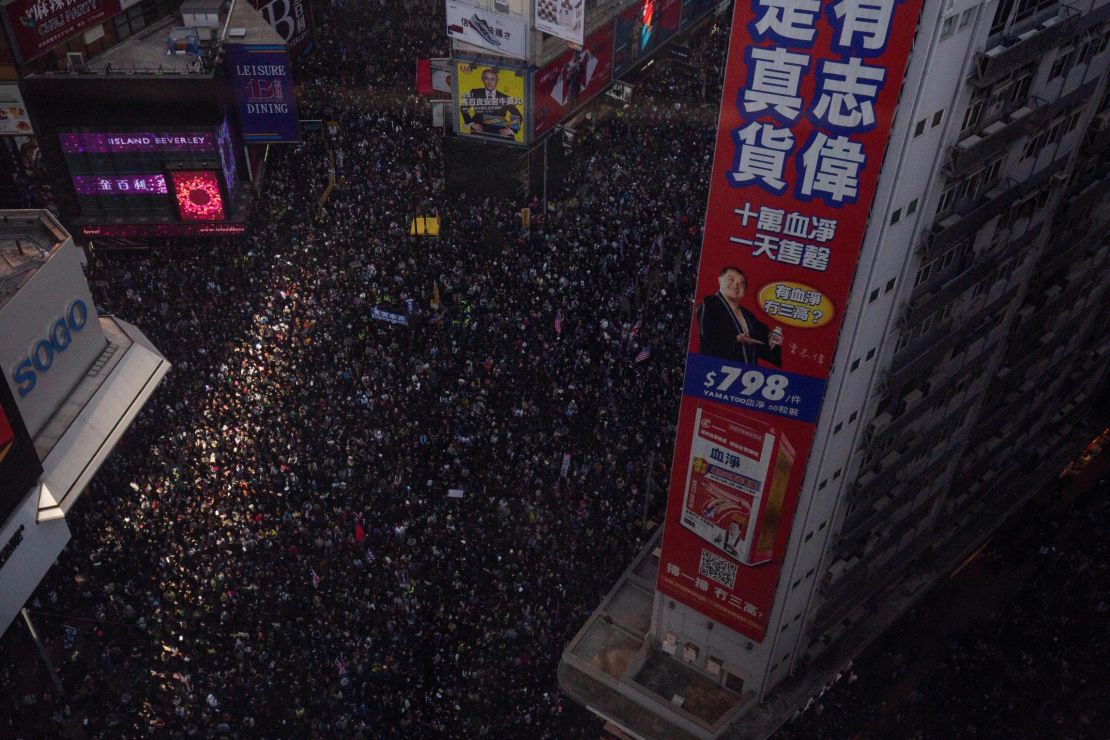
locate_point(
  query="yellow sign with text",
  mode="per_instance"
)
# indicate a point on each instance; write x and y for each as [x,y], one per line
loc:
[491,102]
[796,304]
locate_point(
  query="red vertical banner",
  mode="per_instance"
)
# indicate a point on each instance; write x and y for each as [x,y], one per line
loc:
[809,95]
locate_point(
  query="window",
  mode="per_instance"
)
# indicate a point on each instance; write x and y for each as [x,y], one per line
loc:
[889,285]
[1062,65]
[1073,119]
[837,473]
[972,115]
[966,18]
[947,26]
[912,207]
[949,196]
[903,342]
[822,484]
[809,537]
[838,427]
[896,216]
[874,296]
[129,22]
[1023,78]
[919,128]
[854,415]
[923,273]
[1027,8]
[937,118]
[1001,16]
[823,524]
[855,365]
[870,354]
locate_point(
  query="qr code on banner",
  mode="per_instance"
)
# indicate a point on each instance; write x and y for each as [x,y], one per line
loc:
[718,569]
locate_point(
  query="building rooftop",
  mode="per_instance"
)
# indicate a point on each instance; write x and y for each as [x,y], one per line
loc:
[27,239]
[173,47]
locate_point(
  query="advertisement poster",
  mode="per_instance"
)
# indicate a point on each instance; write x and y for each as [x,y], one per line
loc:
[565,19]
[14,120]
[640,29]
[19,463]
[37,26]
[493,31]
[491,102]
[263,85]
[695,10]
[291,19]
[808,101]
[572,78]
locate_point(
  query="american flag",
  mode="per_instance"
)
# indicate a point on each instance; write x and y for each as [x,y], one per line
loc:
[645,353]
[315,578]
[559,321]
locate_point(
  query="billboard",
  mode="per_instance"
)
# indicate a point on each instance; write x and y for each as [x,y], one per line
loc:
[494,31]
[808,101]
[19,463]
[640,29]
[130,142]
[695,10]
[291,19]
[37,26]
[491,102]
[123,175]
[14,120]
[572,78]
[198,196]
[565,19]
[152,184]
[263,86]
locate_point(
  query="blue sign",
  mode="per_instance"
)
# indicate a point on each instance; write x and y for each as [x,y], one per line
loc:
[57,341]
[753,387]
[263,85]
[393,318]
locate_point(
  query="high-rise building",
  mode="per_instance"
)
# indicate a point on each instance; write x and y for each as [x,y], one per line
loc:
[968,368]
[73,382]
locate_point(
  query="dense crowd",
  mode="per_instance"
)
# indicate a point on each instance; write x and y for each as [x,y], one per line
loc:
[329,525]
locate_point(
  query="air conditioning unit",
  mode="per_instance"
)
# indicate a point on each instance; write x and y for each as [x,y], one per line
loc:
[75,61]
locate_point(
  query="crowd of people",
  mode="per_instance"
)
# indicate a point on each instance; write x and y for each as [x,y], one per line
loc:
[326,524]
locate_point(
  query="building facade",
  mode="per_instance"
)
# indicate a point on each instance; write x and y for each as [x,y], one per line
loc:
[971,353]
[73,382]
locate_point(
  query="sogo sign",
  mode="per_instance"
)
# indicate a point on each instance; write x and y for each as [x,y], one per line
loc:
[41,356]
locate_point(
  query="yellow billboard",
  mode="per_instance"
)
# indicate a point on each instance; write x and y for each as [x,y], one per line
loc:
[491,102]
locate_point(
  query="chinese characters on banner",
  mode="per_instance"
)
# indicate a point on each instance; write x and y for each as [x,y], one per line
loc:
[810,92]
[491,102]
[36,26]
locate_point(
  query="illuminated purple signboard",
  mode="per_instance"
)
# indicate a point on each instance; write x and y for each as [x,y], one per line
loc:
[120,185]
[135,142]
